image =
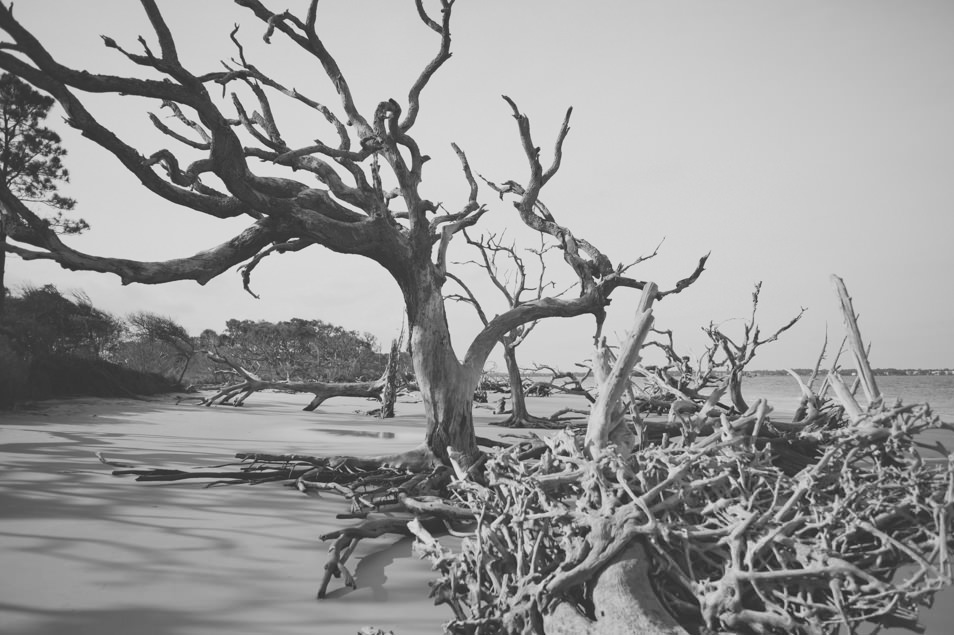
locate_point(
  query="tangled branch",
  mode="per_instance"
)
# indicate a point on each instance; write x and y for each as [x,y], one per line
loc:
[750,527]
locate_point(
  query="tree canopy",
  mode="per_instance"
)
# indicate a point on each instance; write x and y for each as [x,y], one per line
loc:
[31,161]
[42,321]
[301,349]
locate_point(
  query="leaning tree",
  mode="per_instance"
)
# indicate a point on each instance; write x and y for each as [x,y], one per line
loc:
[345,202]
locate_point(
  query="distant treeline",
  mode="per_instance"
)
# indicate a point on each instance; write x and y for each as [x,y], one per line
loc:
[55,345]
[876,371]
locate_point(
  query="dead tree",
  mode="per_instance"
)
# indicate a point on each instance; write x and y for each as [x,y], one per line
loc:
[569,382]
[737,355]
[390,390]
[507,270]
[343,205]
[678,380]
[235,393]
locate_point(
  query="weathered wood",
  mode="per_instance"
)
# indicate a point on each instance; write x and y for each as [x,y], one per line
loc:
[390,377]
[606,414]
[624,603]
[856,345]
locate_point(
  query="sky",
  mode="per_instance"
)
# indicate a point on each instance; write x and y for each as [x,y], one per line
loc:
[792,140]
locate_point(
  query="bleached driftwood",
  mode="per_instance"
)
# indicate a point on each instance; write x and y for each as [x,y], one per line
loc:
[606,421]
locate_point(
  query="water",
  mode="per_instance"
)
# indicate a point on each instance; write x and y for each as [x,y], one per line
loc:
[783,394]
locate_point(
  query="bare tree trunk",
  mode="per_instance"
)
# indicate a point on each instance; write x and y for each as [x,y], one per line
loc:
[446,386]
[735,391]
[389,393]
[519,408]
[520,417]
[3,264]
[185,367]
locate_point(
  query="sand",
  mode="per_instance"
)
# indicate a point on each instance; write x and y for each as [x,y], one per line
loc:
[84,552]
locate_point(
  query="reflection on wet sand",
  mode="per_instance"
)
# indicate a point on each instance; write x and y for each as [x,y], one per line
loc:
[359,433]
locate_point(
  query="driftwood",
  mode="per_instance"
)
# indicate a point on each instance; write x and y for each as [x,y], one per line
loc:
[249,383]
[568,382]
[606,422]
[389,390]
[723,362]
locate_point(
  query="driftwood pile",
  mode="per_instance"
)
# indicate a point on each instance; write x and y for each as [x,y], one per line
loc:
[746,524]
[739,541]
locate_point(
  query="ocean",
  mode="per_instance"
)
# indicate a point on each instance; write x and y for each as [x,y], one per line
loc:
[783,394]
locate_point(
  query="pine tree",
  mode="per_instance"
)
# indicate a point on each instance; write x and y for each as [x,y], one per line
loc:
[31,161]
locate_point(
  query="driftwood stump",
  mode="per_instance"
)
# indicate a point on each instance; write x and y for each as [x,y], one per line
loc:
[624,603]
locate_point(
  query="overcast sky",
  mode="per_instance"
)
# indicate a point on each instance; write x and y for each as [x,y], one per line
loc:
[793,140]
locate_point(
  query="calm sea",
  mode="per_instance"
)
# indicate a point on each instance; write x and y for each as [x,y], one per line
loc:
[782,392]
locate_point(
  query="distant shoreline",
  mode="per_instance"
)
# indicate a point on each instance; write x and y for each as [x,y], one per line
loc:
[884,372]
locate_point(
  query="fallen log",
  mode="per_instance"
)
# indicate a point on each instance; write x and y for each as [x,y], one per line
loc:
[236,393]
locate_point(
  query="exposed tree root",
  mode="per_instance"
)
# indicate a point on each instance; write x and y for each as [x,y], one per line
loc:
[520,418]
[527,420]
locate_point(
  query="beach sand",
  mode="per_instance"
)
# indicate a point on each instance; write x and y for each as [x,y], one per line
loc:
[84,552]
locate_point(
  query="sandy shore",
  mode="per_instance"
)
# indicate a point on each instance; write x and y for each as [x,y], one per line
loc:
[85,552]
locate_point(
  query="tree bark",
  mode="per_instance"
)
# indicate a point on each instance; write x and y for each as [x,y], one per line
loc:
[519,406]
[446,386]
